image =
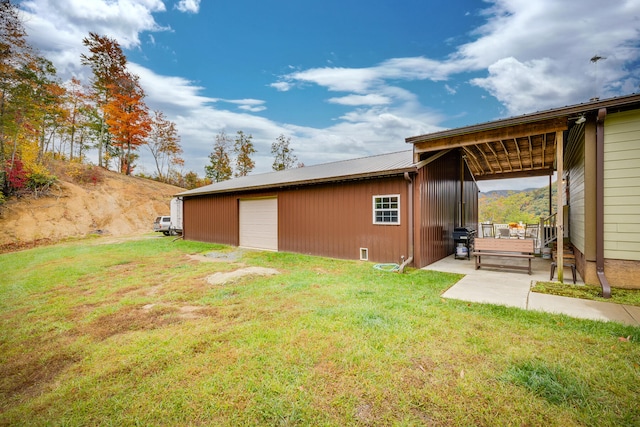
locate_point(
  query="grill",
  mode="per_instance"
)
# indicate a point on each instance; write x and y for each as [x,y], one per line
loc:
[463,241]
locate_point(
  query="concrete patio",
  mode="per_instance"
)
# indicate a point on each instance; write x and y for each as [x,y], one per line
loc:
[513,289]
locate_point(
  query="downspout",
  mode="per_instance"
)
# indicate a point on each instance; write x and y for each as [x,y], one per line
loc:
[409,260]
[604,283]
[461,202]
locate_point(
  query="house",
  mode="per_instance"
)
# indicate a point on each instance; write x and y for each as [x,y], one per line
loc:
[403,207]
[595,149]
[385,208]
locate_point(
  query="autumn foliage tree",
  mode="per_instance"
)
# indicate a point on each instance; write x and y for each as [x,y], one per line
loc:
[29,101]
[243,148]
[79,109]
[108,64]
[164,144]
[41,118]
[219,167]
[283,154]
[128,118]
[46,113]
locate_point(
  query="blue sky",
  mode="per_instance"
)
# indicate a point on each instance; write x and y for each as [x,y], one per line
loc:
[348,78]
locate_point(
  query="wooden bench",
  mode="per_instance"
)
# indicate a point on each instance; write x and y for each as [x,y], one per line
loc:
[505,248]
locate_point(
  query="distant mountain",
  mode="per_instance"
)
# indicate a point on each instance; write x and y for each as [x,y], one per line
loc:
[502,193]
[504,206]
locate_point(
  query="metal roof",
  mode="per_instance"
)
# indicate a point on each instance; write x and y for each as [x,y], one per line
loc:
[346,170]
[519,146]
[571,110]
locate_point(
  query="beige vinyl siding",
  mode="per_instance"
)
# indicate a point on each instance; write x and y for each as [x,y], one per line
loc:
[575,166]
[622,186]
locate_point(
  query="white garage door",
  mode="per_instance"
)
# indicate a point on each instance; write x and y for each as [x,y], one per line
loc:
[259,224]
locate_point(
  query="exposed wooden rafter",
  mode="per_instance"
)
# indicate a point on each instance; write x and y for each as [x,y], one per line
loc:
[506,155]
[544,149]
[515,141]
[486,159]
[495,156]
[427,143]
[474,160]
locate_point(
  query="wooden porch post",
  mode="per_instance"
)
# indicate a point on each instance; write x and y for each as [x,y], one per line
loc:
[560,214]
[550,194]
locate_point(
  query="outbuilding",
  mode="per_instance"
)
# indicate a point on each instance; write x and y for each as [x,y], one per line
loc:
[405,207]
[385,208]
[594,149]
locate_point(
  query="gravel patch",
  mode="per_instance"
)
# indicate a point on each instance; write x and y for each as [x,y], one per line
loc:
[231,276]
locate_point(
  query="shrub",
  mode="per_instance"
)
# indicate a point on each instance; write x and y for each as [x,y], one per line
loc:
[40,182]
[84,174]
[16,176]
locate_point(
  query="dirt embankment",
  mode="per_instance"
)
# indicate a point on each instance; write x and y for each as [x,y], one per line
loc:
[116,205]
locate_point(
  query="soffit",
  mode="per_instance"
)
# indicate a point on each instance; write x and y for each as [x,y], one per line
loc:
[515,147]
[509,152]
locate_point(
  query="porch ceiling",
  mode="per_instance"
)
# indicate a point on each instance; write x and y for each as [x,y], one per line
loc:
[503,151]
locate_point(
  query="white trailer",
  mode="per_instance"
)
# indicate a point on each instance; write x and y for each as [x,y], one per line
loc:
[176,215]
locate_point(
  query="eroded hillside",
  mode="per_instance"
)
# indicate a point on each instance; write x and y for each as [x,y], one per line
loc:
[116,205]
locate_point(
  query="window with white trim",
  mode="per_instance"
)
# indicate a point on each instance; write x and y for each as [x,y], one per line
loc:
[386,209]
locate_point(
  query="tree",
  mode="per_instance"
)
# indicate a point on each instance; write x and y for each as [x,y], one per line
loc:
[164,144]
[45,113]
[30,111]
[77,120]
[243,148]
[128,118]
[15,55]
[108,64]
[283,154]
[219,168]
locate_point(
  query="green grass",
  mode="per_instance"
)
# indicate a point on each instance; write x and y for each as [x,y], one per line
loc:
[589,292]
[131,333]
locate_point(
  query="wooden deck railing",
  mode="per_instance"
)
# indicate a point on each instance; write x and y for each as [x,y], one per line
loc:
[549,230]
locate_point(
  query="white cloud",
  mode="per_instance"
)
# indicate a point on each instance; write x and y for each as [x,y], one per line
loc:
[57,27]
[353,100]
[281,86]
[338,79]
[252,109]
[529,55]
[175,93]
[189,6]
[251,105]
[515,82]
[361,80]
[544,47]
[536,54]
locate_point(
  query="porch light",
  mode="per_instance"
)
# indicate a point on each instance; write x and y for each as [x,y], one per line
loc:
[581,119]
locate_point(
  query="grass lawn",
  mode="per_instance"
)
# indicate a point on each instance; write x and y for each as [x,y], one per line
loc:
[594,293]
[132,333]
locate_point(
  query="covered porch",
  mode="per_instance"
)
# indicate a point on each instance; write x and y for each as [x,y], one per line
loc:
[514,148]
[543,144]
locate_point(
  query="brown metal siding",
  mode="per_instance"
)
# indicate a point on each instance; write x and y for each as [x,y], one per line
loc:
[211,219]
[336,220]
[438,188]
